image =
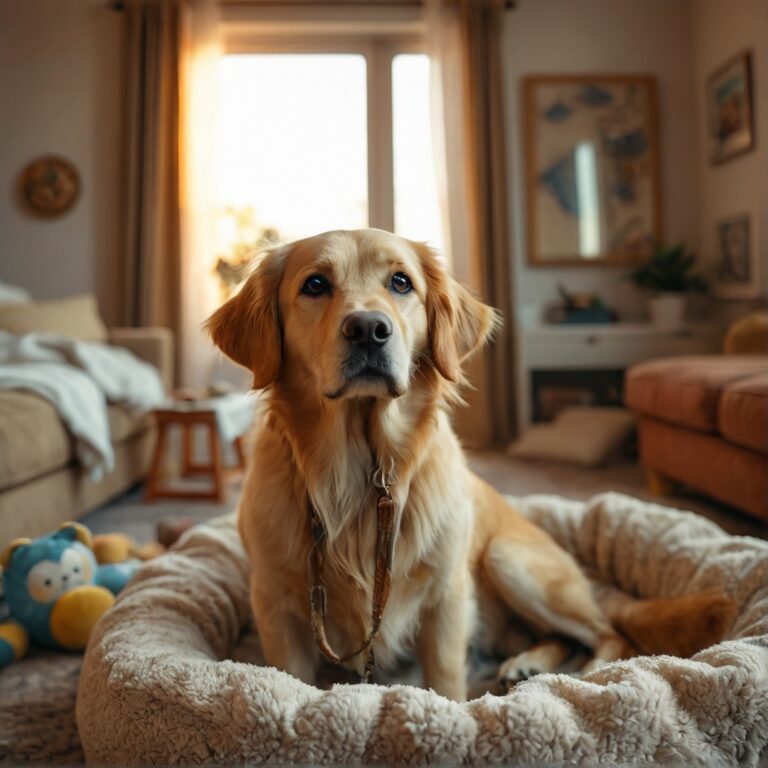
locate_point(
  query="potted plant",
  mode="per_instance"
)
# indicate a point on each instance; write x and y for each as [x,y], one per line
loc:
[667,276]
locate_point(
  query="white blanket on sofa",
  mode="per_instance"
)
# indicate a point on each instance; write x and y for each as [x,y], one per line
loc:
[79,378]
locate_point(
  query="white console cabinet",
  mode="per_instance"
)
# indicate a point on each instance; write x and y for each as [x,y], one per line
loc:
[595,347]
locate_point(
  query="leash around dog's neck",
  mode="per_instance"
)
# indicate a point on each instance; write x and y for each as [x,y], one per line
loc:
[385,549]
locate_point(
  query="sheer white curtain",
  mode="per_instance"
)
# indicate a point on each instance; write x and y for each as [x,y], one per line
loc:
[464,43]
[447,95]
[202,49]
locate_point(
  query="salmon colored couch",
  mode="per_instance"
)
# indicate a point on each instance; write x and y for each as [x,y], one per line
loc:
[703,421]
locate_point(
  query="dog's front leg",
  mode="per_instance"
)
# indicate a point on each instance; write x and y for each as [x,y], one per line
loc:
[286,639]
[444,639]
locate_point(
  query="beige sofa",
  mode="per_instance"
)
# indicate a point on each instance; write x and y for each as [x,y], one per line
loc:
[41,483]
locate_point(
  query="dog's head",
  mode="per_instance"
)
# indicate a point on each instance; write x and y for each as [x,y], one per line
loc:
[353,313]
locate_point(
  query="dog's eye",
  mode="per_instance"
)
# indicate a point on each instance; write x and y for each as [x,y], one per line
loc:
[316,285]
[401,283]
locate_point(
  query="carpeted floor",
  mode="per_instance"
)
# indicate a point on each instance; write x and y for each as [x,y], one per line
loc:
[37,695]
[131,515]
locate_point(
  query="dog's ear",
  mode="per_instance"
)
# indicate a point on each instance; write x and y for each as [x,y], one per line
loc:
[458,322]
[247,327]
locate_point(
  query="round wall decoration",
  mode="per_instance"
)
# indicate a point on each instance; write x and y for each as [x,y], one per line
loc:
[49,185]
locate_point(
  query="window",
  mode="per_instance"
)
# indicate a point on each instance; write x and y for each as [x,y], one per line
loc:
[311,140]
[417,215]
[293,142]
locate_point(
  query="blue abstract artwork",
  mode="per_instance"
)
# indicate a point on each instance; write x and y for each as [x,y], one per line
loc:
[557,112]
[629,144]
[623,189]
[595,96]
[560,180]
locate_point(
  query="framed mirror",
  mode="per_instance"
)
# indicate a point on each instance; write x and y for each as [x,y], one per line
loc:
[592,168]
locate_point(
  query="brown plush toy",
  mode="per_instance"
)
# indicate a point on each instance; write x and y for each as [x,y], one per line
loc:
[119,547]
[170,529]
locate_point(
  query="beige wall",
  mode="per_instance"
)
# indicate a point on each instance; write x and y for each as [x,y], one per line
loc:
[611,36]
[721,30]
[60,92]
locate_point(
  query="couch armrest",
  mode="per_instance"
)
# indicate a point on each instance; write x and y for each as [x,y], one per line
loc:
[153,345]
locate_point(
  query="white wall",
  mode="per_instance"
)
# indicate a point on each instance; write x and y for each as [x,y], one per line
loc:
[60,92]
[610,36]
[722,30]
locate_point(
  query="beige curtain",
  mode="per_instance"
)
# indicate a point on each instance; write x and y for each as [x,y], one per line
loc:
[463,40]
[199,285]
[170,56]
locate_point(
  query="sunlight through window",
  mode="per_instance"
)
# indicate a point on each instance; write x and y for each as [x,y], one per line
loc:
[416,209]
[293,156]
[292,147]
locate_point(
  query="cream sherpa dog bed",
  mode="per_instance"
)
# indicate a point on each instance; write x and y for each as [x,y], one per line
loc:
[155,690]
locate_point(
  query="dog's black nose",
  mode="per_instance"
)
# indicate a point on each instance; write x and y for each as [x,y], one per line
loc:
[367,328]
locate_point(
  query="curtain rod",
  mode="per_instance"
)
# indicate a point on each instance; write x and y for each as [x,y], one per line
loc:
[508,4]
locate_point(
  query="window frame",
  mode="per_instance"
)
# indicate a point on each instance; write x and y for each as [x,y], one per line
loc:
[357,36]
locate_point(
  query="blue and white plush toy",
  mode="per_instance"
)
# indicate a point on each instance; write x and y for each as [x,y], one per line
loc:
[55,591]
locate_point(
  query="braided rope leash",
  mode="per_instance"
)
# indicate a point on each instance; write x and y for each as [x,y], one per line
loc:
[384,555]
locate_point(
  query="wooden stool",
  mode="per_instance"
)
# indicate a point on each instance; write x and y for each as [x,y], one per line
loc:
[188,419]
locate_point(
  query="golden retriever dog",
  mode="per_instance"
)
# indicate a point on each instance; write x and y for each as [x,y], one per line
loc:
[358,338]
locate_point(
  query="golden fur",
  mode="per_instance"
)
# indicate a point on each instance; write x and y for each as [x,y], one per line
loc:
[467,566]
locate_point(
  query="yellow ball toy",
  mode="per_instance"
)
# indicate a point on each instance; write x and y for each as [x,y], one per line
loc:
[76,613]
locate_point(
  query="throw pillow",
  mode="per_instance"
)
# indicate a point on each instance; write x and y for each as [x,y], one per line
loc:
[76,316]
[588,436]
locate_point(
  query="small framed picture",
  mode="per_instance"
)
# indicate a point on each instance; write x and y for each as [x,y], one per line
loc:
[736,270]
[729,97]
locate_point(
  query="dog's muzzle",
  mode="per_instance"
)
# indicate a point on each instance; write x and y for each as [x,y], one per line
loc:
[368,358]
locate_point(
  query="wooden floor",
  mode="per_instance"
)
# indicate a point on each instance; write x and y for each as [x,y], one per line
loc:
[517,477]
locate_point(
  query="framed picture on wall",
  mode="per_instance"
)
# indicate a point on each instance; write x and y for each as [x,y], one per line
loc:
[592,168]
[730,128]
[737,271]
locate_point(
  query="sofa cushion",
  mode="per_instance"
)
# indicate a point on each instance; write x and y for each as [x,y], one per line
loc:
[587,436]
[73,316]
[686,390]
[34,441]
[743,412]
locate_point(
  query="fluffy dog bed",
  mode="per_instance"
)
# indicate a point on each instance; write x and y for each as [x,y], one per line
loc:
[158,684]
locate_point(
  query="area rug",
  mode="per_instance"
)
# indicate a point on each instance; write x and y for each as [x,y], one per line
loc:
[37,710]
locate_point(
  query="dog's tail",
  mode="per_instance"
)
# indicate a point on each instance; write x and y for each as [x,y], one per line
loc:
[679,626]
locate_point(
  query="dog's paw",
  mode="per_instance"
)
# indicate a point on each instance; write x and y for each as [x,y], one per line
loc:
[517,669]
